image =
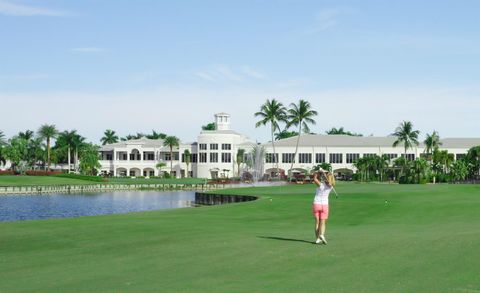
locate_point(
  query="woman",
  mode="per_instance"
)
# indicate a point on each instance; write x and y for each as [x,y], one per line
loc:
[320,203]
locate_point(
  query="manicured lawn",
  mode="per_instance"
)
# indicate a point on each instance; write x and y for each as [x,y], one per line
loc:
[156,181]
[423,239]
[8,180]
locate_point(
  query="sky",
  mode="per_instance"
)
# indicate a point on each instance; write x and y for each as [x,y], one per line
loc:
[169,66]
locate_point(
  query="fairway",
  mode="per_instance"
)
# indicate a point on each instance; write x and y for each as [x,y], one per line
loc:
[12,180]
[381,238]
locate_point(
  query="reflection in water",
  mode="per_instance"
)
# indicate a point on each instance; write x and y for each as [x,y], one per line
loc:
[31,207]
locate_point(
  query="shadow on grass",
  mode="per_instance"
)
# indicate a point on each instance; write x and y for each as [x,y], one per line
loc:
[285,239]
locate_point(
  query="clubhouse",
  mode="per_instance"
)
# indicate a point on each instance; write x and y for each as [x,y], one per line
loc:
[214,153]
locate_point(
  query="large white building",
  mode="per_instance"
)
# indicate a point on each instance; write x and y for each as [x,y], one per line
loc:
[212,156]
[214,153]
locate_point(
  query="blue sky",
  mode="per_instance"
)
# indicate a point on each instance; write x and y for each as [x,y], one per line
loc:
[133,66]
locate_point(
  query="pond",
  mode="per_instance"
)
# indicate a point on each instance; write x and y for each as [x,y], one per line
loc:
[34,207]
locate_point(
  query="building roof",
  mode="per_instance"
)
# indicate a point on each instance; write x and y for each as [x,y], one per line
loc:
[220,132]
[144,142]
[365,141]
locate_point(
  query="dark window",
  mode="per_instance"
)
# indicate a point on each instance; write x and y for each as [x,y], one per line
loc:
[305,158]
[288,158]
[336,158]
[226,158]
[271,158]
[213,157]
[352,158]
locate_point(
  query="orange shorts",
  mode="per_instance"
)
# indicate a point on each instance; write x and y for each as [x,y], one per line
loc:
[320,211]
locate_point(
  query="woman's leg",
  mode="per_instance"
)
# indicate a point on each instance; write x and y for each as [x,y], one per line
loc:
[323,226]
[317,227]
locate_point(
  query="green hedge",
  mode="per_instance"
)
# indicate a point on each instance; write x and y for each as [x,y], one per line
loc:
[80,177]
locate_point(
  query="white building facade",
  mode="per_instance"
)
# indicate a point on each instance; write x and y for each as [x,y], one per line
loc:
[214,154]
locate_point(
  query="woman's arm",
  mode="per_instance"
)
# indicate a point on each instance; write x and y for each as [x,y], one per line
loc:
[315,179]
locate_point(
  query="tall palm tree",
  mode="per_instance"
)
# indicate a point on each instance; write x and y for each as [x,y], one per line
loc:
[407,136]
[156,135]
[109,137]
[188,158]
[432,142]
[272,112]
[2,139]
[3,143]
[285,134]
[78,142]
[171,142]
[47,132]
[300,115]
[68,140]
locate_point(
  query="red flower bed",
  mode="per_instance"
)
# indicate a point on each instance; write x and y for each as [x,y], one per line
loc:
[41,173]
[7,172]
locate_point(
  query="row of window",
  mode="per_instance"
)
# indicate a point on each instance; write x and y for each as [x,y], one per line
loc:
[224,158]
[214,146]
[306,158]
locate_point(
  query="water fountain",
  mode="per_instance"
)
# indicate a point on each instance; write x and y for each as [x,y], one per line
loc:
[255,163]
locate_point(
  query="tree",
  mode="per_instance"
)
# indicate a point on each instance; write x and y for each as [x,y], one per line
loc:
[109,137]
[27,135]
[272,112]
[68,141]
[171,142]
[2,139]
[432,143]
[420,167]
[459,170]
[209,126]
[300,115]
[473,159]
[160,166]
[240,159]
[407,136]
[285,134]
[187,156]
[16,151]
[48,132]
[78,143]
[341,131]
[156,135]
[89,163]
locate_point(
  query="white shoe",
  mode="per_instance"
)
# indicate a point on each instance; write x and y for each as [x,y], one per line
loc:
[322,238]
[318,241]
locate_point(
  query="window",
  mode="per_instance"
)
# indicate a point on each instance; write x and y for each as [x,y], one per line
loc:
[226,146]
[369,155]
[271,158]
[202,157]
[226,158]
[194,158]
[288,158]
[352,158]
[109,157]
[305,158]
[148,156]
[391,156]
[167,157]
[202,146]
[319,158]
[410,157]
[336,158]
[213,157]
[214,146]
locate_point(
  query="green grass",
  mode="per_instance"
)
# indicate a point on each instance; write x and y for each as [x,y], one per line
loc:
[10,180]
[156,181]
[425,239]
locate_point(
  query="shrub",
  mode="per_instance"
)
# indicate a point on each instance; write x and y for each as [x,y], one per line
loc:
[7,172]
[42,172]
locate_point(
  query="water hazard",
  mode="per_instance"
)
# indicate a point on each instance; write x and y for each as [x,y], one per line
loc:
[34,207]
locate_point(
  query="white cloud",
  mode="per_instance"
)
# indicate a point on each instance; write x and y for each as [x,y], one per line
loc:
[223,72]
[324,20]
[88,50]
[10,8]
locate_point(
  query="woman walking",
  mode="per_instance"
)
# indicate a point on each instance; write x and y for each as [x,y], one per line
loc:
[320,203]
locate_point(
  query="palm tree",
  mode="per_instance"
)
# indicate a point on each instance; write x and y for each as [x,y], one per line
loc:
[209,126]
[78,143]
[3,143]
[300,115]
[432,142]
[156,135]
[171,142]
[2,139]
[473,158]
[407,136]
[342,131]
[272,112]
[27,135]
[187,157]
[240,157]
[159,166]
[47,132]
[285,134]
[109,137]
[68,140]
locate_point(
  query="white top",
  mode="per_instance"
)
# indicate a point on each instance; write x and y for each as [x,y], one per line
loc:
[321,196]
